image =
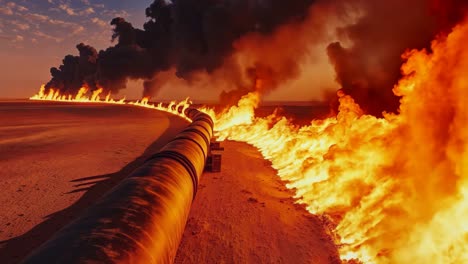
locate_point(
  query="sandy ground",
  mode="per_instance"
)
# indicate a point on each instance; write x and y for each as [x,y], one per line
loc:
[57,159]
[245,215]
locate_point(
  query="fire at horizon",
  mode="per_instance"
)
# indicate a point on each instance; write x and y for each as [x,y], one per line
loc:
[84,96]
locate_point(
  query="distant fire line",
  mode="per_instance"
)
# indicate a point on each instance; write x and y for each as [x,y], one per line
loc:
[175,108]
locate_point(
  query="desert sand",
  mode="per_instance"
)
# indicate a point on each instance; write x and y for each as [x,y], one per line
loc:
[244,214]
[57,159]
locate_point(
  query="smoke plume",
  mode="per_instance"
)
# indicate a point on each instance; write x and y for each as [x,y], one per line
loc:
[370,67]
[259,44]
[188,35]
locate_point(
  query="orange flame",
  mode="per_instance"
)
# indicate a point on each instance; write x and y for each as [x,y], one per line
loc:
[82,97]
[173,107]
[396,187]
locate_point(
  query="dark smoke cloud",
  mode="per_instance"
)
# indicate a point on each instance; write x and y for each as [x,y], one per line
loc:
[188,35]
[75,70]
[370,68]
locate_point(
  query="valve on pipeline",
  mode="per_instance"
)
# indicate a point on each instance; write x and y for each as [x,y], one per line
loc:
[213,161]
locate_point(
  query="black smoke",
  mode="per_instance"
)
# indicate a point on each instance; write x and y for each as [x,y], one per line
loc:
[188,35]
[75,70]
[193,36]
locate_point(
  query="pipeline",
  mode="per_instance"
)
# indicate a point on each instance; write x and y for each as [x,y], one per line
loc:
[142,219]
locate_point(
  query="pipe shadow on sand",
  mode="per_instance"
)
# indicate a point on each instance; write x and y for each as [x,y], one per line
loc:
[15,249]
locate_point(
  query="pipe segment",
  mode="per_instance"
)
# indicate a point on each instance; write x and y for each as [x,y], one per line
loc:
[142,219]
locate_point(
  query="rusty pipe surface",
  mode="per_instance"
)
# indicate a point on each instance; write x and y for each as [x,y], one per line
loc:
[142,219]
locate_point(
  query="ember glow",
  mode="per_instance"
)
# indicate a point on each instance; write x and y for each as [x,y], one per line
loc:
[395,187]
[84,96]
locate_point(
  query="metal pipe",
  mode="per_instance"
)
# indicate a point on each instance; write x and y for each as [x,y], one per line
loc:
[142,219]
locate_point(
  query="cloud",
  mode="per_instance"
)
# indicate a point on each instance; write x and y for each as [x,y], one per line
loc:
[36,17]
[22,8]
[47,36]
[62,23]
[116,13]
[20,25]
[74,11]
[43,24]
[18,38]
[78,30]
[12,39]
[70,11]
[33,17]
[87,11]
[99,22]
[6,10]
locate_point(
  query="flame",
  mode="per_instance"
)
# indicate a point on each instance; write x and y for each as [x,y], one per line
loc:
[81,96]
[396,187]
[175,108]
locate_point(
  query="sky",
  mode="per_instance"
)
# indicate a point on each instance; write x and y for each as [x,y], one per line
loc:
[36,34]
